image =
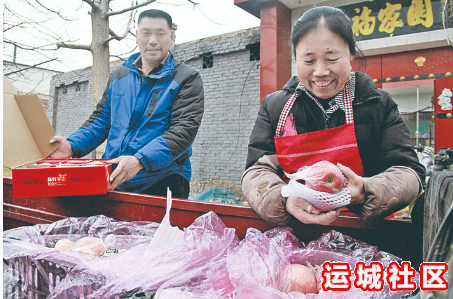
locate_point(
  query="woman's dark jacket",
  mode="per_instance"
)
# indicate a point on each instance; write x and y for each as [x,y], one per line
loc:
[382,135]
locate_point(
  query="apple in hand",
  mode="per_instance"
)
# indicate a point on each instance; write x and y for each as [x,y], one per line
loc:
[325,177]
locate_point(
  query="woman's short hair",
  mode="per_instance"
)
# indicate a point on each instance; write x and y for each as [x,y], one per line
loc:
[333,18]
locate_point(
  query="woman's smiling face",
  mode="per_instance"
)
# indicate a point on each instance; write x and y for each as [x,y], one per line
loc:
[323,62]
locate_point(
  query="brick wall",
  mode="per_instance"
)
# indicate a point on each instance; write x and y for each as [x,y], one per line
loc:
[231,102]
[71,100]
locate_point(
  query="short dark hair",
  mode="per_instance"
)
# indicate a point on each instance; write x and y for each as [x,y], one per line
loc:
[156,13]
[334,19]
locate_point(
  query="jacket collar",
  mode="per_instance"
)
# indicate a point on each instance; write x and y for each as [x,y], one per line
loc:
[166,70]
[138,64]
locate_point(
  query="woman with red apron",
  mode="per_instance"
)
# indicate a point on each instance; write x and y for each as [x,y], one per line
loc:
[337,145]
[301,125]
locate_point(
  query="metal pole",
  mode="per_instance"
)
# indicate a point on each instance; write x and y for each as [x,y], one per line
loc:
[417,115]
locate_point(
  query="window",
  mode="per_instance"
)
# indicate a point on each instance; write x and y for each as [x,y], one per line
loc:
[254,51]
[425,127]
[77,85]
[208,60]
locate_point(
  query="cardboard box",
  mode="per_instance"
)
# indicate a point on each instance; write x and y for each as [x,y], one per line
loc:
[26,145]
[26,128]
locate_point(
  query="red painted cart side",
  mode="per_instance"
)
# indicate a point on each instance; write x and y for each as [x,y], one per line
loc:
[389,235]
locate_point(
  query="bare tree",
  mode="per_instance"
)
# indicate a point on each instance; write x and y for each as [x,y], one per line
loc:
[18,27]
[44,41]
[101,36]
[27,29]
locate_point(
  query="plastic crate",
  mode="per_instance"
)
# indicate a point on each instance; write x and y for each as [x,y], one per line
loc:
[32,268]
[29,278]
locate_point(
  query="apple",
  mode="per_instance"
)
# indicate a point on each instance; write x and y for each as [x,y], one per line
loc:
[89,245]
[303,279]
[64,244]
[325,177]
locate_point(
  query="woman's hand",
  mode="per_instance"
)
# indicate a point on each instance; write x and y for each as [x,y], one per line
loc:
[306,213]
[354,184]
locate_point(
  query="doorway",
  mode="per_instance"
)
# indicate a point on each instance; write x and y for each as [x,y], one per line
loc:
[415,104]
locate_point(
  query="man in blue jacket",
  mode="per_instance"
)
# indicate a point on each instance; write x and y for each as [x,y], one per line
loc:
[149,113]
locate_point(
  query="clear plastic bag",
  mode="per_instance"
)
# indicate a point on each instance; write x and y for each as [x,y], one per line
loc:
[212,262]
[39,268]
[258,267]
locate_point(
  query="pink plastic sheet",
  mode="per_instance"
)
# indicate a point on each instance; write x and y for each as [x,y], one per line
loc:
[212,263]
[32,270]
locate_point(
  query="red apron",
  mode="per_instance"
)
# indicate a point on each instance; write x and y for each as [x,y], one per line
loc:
[336,145]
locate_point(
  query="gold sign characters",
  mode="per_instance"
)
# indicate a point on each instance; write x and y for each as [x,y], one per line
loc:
[419,12]
[389,18]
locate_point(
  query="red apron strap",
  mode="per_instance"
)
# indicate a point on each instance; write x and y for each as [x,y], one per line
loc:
[282,120]
[347,102]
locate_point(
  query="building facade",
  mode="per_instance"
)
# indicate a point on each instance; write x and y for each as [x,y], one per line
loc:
[30,79]
[407,45]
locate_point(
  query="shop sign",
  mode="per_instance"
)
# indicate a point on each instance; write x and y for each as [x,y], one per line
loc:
[378,19]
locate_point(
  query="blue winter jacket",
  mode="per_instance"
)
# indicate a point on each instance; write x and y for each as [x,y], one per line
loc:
[155,120]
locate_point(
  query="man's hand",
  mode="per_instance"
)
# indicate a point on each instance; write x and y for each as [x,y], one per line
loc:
[306,213]
[128,167]
[354,184]
[63,151]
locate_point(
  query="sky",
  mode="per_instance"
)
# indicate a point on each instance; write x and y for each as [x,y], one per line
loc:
[206,18]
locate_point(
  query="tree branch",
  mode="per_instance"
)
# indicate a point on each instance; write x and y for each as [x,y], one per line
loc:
[29,67]
[119,57]
[53,11]
[112,13]
[13,26]
[125,53]
[74,46]
[115,36]
[92,4]
[23,47]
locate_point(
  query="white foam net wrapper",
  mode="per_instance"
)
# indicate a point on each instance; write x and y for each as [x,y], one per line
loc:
[321,200]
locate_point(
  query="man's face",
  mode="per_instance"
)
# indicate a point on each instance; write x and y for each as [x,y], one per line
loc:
[154,39]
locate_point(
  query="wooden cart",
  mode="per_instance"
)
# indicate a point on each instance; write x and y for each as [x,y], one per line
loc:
[390,235]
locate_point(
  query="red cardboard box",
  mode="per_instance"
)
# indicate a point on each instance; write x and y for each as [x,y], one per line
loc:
[54,177]
[26,144]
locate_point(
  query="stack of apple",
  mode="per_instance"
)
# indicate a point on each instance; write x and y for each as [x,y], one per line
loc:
[90,245]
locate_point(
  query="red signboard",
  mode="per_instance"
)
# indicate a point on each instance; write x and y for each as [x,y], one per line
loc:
[443,111]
